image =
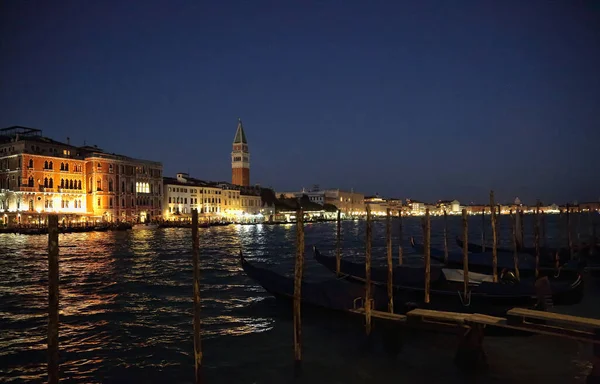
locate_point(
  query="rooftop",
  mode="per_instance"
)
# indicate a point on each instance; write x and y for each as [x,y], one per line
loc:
[240,135]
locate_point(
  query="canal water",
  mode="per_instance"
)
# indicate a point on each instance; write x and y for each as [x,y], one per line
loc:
[126,312]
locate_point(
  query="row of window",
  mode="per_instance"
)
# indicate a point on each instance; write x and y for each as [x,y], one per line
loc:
[202,210]
[49,165]
[194,190]
[140,201]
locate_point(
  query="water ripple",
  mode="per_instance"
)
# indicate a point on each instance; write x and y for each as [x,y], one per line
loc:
[126,310]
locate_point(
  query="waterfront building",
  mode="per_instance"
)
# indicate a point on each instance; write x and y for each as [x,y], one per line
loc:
[123,188]
[452,207]
[378,205]
[39,175]
[240,158]
[349,203]
[214,200]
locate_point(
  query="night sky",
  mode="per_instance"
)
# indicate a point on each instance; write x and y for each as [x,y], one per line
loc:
[420,99]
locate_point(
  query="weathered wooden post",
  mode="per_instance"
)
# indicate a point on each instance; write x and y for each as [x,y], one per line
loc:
[544,238]
[368,236]
[53,281]
[338,243]
[298,286]
[536,233]
[196,266]
[515,241]
[465,223]
[446,237]
[518,226]
[390,263]
[494,238]
[578,229]
[594,240]
[427,236]
[569,232]
[483,229]
[400,235]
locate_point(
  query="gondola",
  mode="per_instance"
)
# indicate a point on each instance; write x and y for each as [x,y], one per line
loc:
[547,255]
[482,262]
[334,294]
[446,284]
[340,295]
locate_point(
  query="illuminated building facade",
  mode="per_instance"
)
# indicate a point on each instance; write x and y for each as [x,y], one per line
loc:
[240,158]
[122,188]
[218,200]
[39,175]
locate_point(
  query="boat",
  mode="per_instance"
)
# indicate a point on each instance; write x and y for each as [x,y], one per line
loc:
[145,226]
[334,294]
[446,284]
[482,262]
[341,295]
[546,254]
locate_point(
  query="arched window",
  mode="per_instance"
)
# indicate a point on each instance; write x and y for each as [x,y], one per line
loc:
[30,163]
[51,183]
[50,165]
[122,186]
[79,203]
[45,182]
[46,164]
[79,184]
[110,185]
[62,183]
[71,184]
[30,181]
[62,166]
[67,167]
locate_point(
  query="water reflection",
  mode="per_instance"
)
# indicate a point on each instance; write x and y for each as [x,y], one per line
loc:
[126,297]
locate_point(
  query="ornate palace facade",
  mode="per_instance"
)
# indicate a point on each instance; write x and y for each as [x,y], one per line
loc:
[39,175]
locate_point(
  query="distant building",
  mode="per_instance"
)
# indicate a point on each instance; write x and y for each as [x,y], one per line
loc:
[380,205]
[349,203]
[219,200]
[240,158]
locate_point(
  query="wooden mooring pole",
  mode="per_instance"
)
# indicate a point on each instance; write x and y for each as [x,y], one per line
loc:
[368,236]
[593,240]
[536,233]
[401,238]
[483,229]
[53,281]
[196,266]
[465,224]
[522,228]
[513,219]
[445,237]
[543,222]
[298,269]
[338,243]
[578,229]
[390,263]
[427,236]
[494,238]
[569,232]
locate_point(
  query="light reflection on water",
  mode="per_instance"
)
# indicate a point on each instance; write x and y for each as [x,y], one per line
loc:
[126,309]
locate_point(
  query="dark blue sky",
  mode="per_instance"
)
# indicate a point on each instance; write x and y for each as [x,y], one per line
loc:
[419,99]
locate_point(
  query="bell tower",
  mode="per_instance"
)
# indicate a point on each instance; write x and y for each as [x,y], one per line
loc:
[240,158]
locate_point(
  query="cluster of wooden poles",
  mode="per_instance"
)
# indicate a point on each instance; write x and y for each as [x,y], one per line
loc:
[517,235]
[53,273]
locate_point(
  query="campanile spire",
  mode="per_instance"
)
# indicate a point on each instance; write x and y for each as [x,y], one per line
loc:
[240,158]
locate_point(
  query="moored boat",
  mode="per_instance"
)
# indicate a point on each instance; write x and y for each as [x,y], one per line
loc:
[447,284]
[482,262]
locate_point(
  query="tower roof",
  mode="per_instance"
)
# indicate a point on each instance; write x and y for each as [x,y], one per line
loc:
[240,135]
